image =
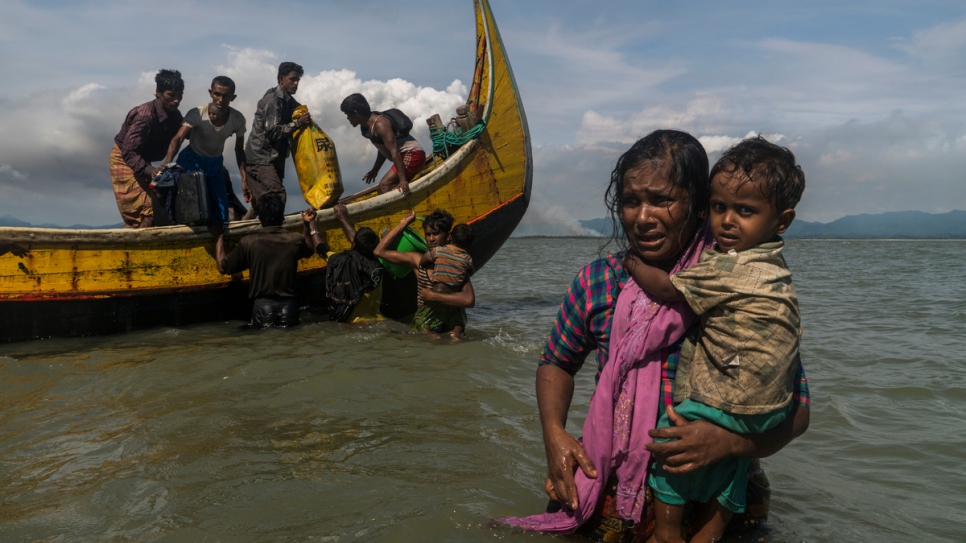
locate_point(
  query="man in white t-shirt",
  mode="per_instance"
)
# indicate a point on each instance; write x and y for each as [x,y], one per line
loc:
[207,128]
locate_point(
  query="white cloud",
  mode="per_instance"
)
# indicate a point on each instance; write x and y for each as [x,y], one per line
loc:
[6,169]
[838,157]
[943,44]
[704,109]
[77,102]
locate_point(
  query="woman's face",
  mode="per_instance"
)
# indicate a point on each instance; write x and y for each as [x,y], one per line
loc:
[654,214]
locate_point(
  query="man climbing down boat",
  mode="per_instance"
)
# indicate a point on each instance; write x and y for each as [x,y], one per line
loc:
[143,139]
[389,132]
[208,127]
[272,255]
[353,280]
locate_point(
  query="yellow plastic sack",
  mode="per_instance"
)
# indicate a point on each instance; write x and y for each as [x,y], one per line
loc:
[316,164]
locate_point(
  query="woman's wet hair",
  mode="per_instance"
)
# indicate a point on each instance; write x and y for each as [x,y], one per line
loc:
[780,180]
[168,80]
[286,68]
[462,236]
[685,160]
[271,209]
[356,104]
[365,241]
[439,220]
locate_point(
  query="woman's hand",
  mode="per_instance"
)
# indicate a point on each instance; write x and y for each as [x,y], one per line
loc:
[564,455]
[698,444]
[555,390]
[701,443]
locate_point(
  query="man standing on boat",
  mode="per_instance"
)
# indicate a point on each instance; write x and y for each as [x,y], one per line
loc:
[144,138]
[208,127]
[389,132]
[268,141]
[272,256]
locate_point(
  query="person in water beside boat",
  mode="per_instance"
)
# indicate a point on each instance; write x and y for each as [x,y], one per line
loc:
[436,312]
[271,255]
[144,138]
[207,128]
[353,278]
[451,265]
[268,141]
[737,369]
[659,192]
[389,133]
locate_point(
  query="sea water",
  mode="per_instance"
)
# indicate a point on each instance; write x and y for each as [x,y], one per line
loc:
[330,432]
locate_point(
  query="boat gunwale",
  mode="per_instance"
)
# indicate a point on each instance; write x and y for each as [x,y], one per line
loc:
[16,234]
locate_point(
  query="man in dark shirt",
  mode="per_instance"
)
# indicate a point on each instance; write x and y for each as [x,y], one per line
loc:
[144,138]
[267,145]
[272,256]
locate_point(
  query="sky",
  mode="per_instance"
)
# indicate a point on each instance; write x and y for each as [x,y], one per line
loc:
[867,94]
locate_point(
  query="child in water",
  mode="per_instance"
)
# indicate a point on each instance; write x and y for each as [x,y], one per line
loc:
[737,370]
[451,264]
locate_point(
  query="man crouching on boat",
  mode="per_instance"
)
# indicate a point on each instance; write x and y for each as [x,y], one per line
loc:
[392,140]
[272,256]
[144,138]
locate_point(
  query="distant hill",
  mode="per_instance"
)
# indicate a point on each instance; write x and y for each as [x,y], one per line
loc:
[7,220]
[891,225]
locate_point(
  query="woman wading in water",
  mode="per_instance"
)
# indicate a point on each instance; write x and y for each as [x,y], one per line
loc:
[659,195]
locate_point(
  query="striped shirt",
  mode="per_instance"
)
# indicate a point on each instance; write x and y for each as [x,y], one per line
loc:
[422,281]
[584,321]
[452,266]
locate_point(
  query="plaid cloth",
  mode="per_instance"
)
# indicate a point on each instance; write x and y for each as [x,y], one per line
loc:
[743,359]
[414,161]
[584,320]
[133,201]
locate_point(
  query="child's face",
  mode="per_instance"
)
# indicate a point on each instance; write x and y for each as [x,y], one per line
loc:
[741,217]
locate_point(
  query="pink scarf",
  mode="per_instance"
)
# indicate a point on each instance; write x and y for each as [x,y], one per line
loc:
[625,405]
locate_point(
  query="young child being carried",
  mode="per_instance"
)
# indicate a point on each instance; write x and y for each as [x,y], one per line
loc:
[737,370]
[451,264]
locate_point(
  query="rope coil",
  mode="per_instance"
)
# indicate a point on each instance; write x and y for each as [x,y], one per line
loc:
[443,139]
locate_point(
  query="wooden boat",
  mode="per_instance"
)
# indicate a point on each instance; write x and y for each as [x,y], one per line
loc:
[85,282]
